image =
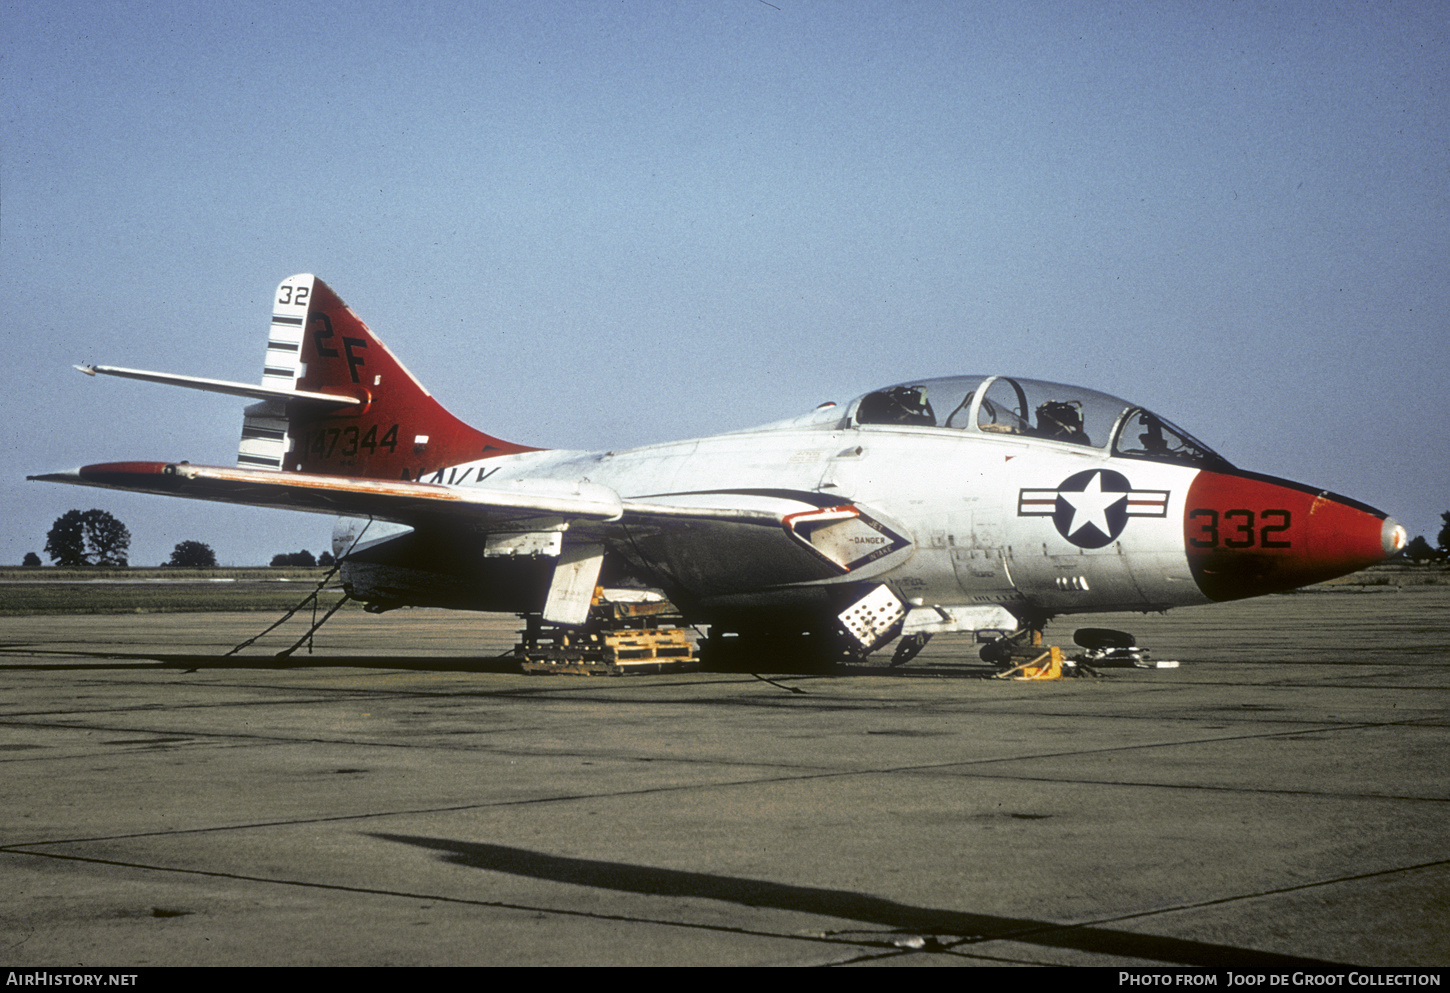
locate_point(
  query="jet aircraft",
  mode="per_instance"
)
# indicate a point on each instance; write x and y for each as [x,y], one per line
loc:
[983,504]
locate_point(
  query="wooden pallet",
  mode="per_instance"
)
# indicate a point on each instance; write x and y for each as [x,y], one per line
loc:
[612,653]
[649,643]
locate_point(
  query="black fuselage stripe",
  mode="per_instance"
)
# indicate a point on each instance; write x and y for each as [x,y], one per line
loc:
[800,496]
[1317,491]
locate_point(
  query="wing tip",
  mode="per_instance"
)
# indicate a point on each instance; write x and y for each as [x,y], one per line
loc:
[99,470]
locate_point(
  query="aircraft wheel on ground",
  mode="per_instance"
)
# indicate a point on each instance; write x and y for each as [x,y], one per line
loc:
[998,653]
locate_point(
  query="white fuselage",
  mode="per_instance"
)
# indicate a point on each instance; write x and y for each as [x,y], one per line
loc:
[977,509]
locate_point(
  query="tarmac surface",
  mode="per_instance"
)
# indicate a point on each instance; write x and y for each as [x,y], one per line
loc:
[1279,801]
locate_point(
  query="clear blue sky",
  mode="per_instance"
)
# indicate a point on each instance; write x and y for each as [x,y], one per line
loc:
[608,223]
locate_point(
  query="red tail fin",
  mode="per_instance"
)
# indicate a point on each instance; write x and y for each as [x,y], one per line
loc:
[400,432]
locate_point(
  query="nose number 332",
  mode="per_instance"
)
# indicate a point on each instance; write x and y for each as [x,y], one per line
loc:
[1240,528]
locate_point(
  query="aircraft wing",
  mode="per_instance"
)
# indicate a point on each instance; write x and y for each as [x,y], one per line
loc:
[401,501]
[590,507]
[711,542]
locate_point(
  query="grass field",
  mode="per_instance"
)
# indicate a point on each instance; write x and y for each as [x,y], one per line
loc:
[139,591]
[151,590]
[54,574]
[1396,574]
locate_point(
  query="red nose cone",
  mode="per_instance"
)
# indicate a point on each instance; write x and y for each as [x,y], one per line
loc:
[1248,535]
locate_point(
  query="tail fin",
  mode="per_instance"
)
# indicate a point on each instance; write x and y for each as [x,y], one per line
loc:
[317,344]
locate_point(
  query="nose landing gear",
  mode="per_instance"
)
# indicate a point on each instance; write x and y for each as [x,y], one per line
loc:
[1106,647]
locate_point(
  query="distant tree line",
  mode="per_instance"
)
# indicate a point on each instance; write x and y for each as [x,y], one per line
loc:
[192,555]
[1419,550]
[87,537]
[96,538]
[303,559]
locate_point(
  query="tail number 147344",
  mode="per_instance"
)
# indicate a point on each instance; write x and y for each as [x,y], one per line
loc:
[349,441]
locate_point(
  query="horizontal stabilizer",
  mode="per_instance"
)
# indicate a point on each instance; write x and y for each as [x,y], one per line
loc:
[251,390]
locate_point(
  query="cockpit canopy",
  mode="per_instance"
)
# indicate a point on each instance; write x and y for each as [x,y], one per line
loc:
[1029,408]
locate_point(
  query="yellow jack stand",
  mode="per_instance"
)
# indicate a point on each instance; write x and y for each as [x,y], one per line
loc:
[1048,665]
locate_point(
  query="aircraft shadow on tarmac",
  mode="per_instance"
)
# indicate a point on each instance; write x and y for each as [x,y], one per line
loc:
[949,928]
[191,663]
[71,659]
